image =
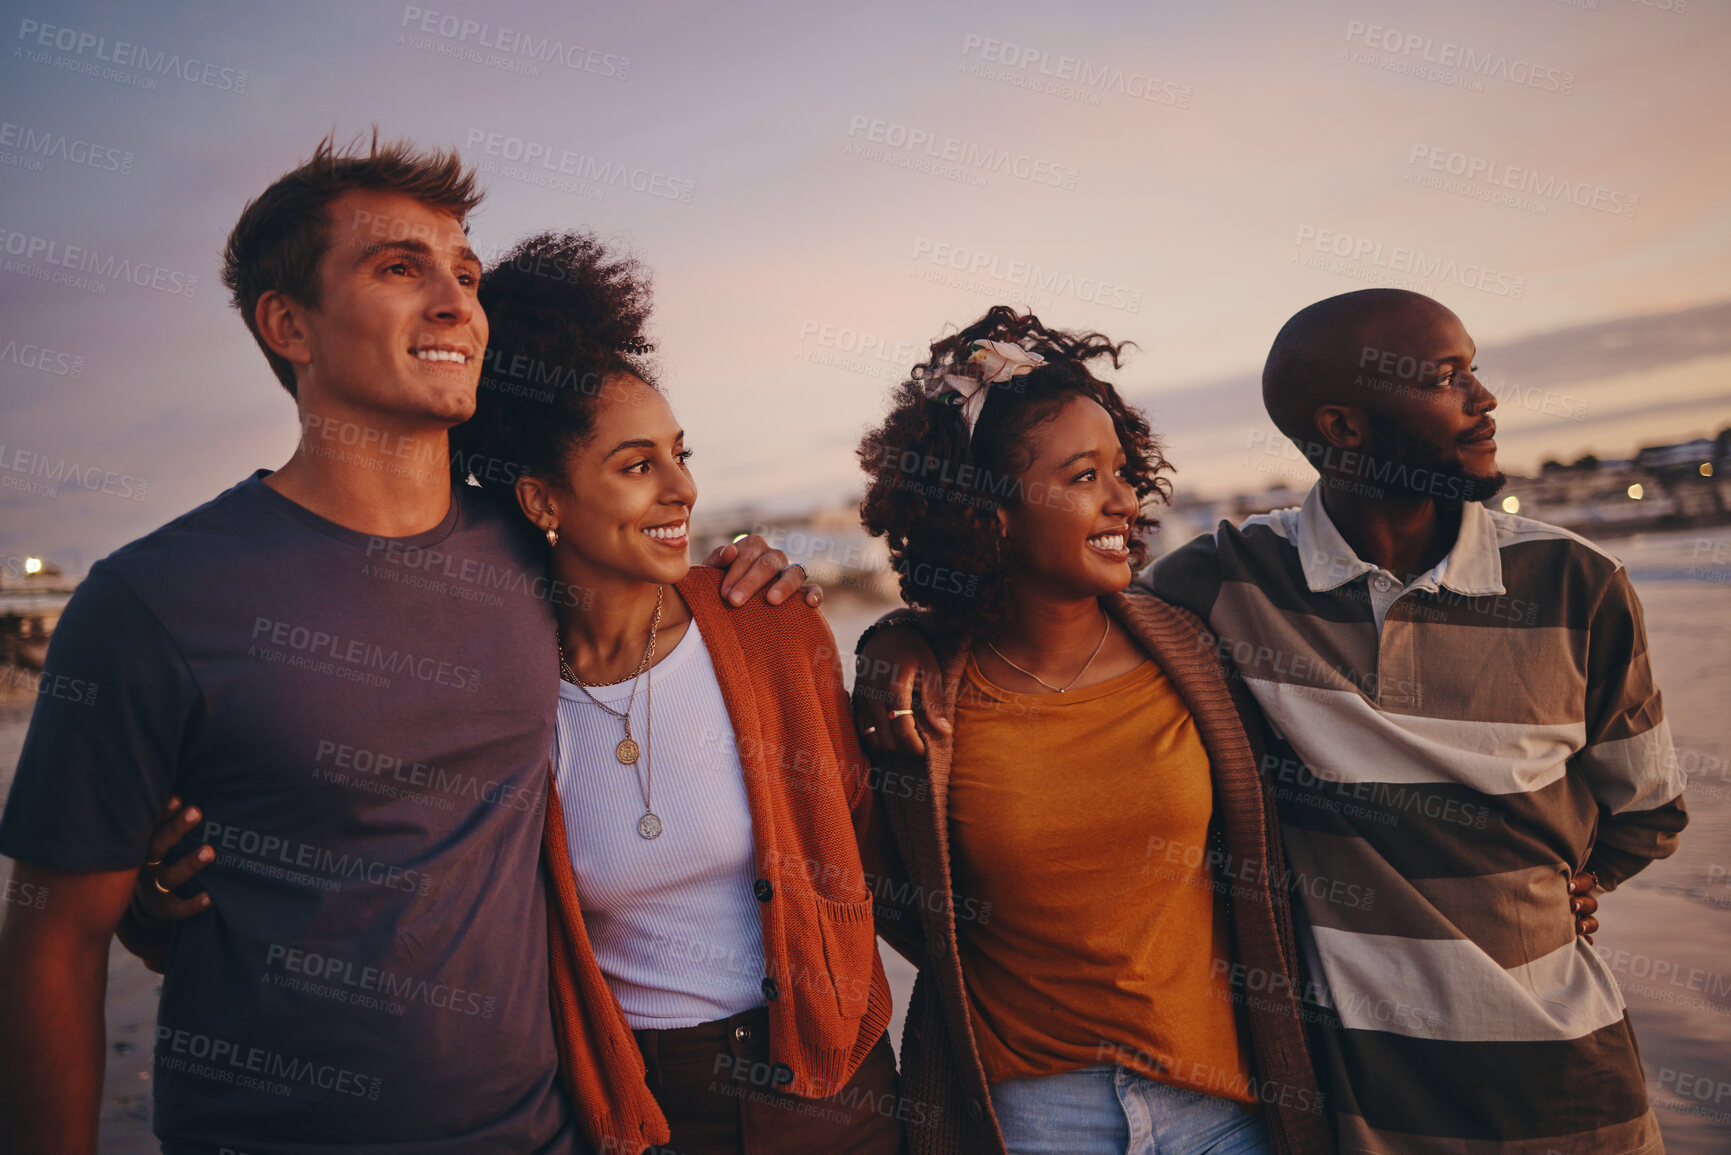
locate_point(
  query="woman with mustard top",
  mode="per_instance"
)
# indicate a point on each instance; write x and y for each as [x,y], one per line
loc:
[1092,861]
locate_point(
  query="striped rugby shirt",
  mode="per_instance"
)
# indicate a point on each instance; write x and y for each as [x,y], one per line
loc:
[1444,753]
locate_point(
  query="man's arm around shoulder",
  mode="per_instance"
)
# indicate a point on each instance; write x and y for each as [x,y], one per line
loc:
[1189,576]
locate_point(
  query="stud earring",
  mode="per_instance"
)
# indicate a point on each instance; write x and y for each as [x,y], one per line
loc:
[553,536]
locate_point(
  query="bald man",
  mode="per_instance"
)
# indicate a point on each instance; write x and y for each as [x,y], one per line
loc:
[1460,717]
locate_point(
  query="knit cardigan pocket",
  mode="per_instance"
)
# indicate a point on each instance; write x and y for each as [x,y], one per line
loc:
[849,942]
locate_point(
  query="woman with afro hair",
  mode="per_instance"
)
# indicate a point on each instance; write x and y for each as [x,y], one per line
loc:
[715,972]
[1086,860]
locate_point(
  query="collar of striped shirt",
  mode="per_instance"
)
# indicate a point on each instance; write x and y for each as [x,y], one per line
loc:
[1473,567]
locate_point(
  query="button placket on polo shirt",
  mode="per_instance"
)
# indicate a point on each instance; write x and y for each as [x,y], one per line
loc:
[1367,681]
[1396,657]
[1377,590]
[1397,662]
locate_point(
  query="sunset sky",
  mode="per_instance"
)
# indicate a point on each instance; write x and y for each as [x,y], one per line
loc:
[820,193]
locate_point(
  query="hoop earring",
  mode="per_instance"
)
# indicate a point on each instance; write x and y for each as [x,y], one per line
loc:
[553,536]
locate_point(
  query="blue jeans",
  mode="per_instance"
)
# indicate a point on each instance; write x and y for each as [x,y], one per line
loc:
[1114,1111]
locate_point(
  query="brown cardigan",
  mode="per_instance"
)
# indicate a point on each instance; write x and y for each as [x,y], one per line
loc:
[940,1062]
[810,796]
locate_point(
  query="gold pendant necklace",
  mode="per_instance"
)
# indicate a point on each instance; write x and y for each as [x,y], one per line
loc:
[649,826]
[627,751]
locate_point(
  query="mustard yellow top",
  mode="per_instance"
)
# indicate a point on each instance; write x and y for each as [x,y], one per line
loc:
[1082,819]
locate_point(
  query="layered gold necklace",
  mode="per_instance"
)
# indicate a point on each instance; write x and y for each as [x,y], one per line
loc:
[628,751]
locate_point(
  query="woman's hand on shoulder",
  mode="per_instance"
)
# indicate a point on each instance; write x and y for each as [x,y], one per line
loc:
[153,896]
[894,662]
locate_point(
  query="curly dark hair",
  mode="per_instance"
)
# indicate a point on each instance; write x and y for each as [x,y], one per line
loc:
[933,494]
[567,316]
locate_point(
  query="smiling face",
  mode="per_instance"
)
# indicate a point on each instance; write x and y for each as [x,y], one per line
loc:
[624,502]
[398,334]
[1069,535]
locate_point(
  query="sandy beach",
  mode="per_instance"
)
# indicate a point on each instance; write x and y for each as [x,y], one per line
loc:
[1666,934]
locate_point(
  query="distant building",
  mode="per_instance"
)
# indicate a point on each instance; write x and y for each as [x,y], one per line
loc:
[1662,486]
[1691,454]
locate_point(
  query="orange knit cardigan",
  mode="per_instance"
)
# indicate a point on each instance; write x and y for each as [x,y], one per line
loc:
[808,788]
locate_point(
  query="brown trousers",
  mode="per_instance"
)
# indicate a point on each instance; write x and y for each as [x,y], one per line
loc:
[718,1089]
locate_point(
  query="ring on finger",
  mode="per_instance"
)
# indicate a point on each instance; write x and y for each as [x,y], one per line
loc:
[157,882]
[870,730]
[153,862]
[894,714]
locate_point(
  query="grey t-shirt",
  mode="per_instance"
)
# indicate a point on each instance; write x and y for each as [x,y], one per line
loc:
[365,723]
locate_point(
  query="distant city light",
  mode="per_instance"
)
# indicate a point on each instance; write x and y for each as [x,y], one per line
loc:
[1636,492]
[1706,469]
[1511,504]
[32,565]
